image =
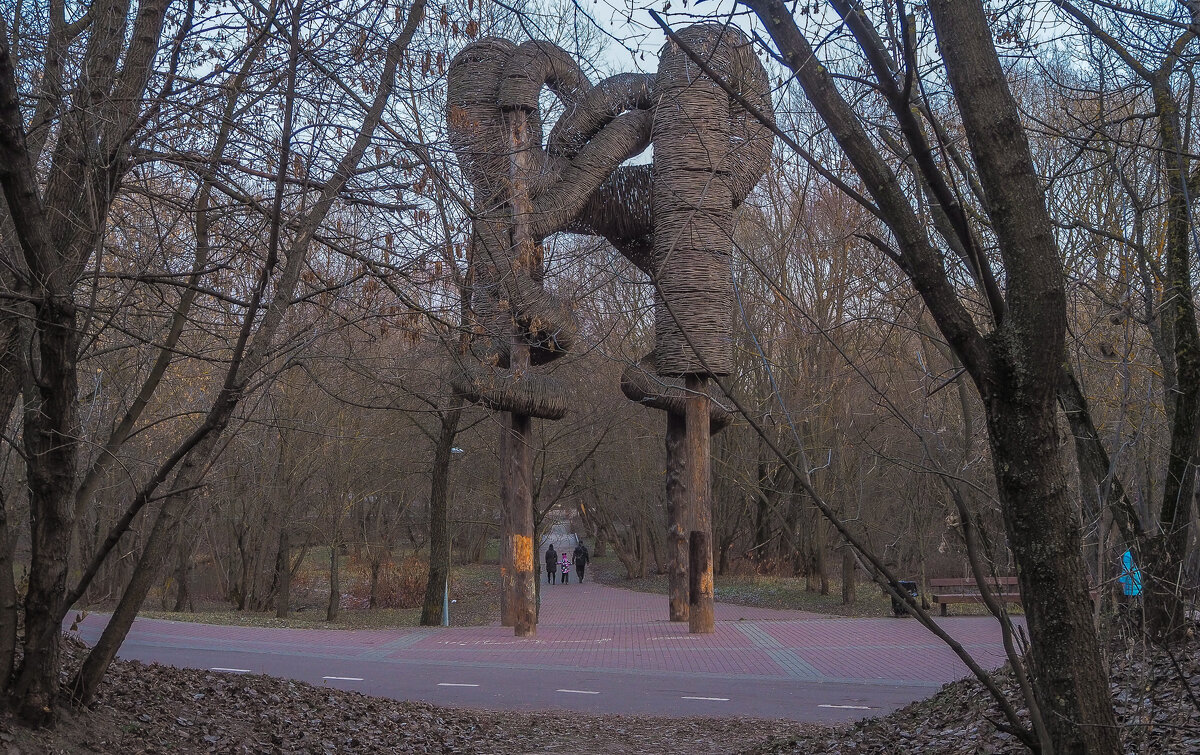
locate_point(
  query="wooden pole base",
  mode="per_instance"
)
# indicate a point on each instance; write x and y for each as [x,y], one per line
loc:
[697,451]
[678,517]
[701,616]
[521,585]
[506,528]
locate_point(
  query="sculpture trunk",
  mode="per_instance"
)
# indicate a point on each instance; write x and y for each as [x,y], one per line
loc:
[700,613]
[709,152]
[518,467]
[678,516]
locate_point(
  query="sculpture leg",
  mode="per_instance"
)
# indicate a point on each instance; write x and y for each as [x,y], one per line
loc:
[678,520]
[701,618]
[507,575]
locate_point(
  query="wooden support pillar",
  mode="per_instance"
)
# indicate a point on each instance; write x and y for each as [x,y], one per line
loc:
[700,618]
[507,575]
[521,589]
[697,446]
[678,517]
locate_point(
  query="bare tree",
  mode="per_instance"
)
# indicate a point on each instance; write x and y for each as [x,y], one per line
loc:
[1016,367]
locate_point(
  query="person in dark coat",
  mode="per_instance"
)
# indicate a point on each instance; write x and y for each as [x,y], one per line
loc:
[551,563]
[581,558]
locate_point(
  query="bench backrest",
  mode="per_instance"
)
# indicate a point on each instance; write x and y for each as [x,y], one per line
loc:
[970,584]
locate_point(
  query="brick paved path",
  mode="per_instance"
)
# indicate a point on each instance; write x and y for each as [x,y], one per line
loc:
[614,642]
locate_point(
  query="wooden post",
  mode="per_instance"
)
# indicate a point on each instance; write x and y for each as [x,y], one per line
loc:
[521,588]
[678,521]
[700,594]
[522,595]
[849,564]
[506,573]
[700,600]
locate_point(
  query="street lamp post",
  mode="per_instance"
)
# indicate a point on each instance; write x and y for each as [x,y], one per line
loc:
[454,454]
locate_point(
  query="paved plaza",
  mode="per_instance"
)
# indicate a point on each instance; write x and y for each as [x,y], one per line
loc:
[605,650]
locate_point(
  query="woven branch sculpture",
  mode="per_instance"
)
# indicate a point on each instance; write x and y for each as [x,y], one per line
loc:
[672,219]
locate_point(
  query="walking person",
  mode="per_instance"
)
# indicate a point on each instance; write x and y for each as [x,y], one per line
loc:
[565,565]
[551,563]
[581,559]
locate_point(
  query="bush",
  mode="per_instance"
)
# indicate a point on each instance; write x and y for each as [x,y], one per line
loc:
[401,585]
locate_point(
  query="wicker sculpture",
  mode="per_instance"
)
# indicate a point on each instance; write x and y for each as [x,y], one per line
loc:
[672,219]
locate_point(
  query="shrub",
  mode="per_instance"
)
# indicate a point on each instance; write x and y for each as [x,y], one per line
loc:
[401,585]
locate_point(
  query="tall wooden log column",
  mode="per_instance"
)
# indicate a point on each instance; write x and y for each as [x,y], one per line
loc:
[517,468]
[507,575]
[679,520]
[701,618]
[693,172]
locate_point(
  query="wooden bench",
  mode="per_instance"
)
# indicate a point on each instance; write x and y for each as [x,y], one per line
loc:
[947,591]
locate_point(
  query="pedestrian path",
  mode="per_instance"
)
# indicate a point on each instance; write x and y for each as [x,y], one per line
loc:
[601,649]
[594,626]
[591,603]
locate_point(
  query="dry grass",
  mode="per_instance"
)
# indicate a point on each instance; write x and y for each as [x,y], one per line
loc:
[473,587]
[763,591]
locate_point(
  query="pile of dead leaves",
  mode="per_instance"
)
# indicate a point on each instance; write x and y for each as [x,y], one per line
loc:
[1156,695]
[160,709]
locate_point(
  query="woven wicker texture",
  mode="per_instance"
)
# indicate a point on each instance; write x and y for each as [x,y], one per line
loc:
[520,197]
[673,220]
[641,383]
[708,153]
[505,391]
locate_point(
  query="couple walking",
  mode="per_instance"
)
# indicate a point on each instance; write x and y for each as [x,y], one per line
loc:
[580,558]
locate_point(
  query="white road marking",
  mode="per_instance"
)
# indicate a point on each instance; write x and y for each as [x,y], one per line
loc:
[452,684]
[578,691]
[847,707]
[231,670]
[344,678]
[715,699]
[677,637]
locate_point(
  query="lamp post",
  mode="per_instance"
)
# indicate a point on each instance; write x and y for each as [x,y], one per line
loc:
[454,454]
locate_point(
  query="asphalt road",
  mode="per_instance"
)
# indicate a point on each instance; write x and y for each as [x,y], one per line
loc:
[600,650]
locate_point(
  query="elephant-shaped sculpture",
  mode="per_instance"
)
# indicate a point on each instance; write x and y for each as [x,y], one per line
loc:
[673,219]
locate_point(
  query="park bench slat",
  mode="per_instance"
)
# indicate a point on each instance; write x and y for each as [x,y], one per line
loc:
[966,590]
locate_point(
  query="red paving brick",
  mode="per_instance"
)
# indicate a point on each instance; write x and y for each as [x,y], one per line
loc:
[593,626]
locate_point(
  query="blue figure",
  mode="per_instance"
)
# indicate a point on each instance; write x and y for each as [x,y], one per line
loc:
[1131,576]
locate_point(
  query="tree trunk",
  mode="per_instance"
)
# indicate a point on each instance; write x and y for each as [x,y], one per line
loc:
[1070,678]
[8,599]
[794,534]
[849,586]
[11,367]
[335,584]
[373,587]
[1163,555]
[242,590]
[820,557]
[1043,532]
[283,574]
[154,554]
[183,575]
[50,435]
[1017,367]
[439,517]
[762,517]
